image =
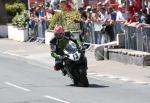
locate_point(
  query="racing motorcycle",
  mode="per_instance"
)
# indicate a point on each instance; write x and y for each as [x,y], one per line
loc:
[75,63]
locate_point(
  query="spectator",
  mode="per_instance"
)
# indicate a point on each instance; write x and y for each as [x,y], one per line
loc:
[89,25]
[83,25]
[132,7]
[112,13]
[138,5]
[120,20]
[41,11]
[144,13]
[106,3]
[81,10]
[147,19]
[49,12]
[97,26]
[110,26]
[42,21]
[105,19]
[65,5]
[55,4]
[135,18]
[103,14]
[33,25]
[36,11]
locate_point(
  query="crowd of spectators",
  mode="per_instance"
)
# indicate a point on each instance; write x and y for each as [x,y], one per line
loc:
[41,14]
[99,23]
[108,21]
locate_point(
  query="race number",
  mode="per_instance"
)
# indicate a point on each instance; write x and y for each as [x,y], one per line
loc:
[75,56]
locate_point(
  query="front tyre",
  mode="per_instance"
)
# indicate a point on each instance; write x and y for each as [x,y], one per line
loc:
[81,79]
[84,81]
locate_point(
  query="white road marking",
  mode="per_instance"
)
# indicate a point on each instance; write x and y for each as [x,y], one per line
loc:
[93,77]
[144,83]
[91,73]
[56,99]
[13,54]
[111,77]
[124,79]
[13,85]
[100,75]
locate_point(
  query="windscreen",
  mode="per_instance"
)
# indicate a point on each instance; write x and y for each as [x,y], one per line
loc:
[71,48]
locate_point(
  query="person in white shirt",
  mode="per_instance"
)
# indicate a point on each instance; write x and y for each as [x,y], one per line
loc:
[55,4]
[105,20]
[104,15]
[96,26]
[120,19]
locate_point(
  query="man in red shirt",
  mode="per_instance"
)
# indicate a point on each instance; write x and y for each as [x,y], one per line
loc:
[135,6]
[132,7]
[138,5]
[66,5]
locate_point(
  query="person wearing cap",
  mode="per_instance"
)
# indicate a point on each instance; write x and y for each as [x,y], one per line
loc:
[57,45]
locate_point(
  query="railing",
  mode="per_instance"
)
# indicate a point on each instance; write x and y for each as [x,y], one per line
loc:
[91,35]
[137,38]
[96,36]
[37,30]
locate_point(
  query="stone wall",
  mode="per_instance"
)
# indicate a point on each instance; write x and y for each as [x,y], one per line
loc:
[129,56]
[4,31]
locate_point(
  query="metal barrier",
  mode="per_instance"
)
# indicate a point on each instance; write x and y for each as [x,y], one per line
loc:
[93,36]
[137,39]
[37,30]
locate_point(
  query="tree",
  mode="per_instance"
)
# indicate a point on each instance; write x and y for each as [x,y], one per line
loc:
[16,1]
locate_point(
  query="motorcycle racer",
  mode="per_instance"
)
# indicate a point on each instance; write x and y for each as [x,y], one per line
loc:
[57,45]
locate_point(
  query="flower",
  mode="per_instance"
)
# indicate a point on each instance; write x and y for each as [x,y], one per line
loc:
[65,19]
[57,19]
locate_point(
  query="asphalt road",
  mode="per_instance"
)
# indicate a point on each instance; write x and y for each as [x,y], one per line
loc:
[27,81]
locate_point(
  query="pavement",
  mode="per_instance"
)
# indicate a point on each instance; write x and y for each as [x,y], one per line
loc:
[97,69]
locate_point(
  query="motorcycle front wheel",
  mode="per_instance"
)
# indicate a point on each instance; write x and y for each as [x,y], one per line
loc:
[81,79]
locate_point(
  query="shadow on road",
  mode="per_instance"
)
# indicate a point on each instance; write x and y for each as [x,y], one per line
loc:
[97,86]
[91,86]
[148,76]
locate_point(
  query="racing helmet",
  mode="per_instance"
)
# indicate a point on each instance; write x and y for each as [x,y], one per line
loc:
[59,32]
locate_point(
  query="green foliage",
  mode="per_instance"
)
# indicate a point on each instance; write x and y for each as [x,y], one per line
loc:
[65,19]
[14,8]
[13,1]
[20,19]
[69,20]
[57,19]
